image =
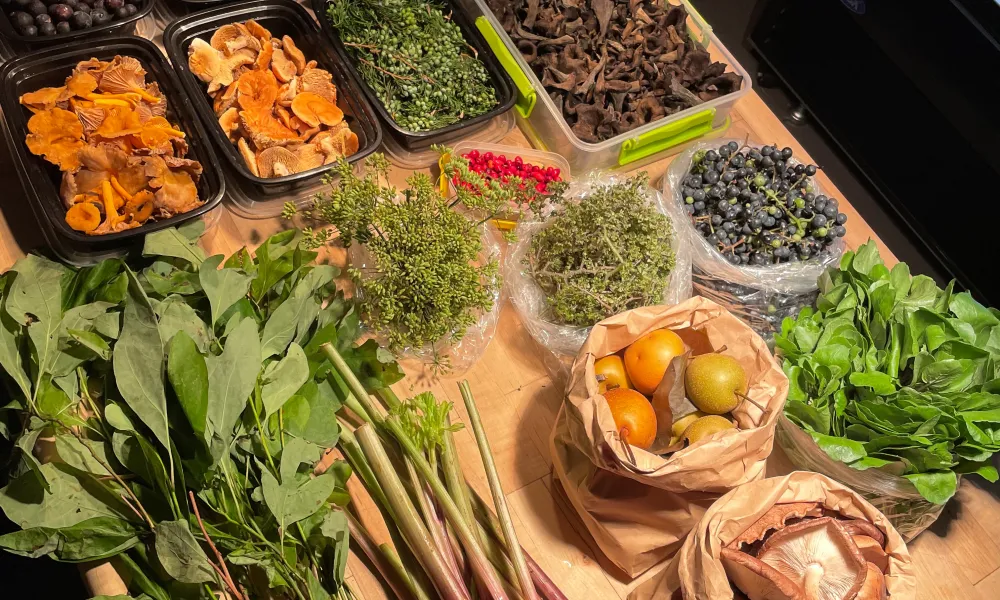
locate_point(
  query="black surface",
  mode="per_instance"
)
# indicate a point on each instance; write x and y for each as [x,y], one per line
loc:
[730,20]
[417,141]
[280,17]
[114,27]
[41,179]
[910,97]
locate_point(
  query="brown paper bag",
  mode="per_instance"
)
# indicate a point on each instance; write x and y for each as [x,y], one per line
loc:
[696,573]
[640,512]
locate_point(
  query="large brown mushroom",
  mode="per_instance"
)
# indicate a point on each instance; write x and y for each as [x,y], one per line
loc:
[819,556]
[757,579]
[277,161]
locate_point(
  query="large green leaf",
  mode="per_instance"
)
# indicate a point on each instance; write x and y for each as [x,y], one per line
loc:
[84,455]
[93,539]
[10,354]
[180,555]
[297,313]
[177,315]
[284,378]
[312,414]
[170,242]
[222,286]
[188,375]
[290,502]
[138,363]
[72,498]
[231,379]
[35,299]
[937,487]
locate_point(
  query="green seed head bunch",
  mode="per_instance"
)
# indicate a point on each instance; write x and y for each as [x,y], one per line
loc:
[415,59]
[426,280]
[610,252]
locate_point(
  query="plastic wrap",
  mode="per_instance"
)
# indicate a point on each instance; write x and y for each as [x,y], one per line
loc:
[761,296]
[894,496]
[530,300]
[460,355]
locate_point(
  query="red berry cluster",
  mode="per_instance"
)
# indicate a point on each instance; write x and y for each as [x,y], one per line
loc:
[500,167]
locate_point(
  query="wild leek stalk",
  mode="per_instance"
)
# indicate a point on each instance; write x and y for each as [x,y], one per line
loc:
[415,438]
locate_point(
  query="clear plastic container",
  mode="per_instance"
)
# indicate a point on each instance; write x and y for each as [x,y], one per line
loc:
[543,123]
[894,496]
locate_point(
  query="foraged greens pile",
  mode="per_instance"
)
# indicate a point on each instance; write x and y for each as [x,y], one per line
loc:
[183,412]
[186,403]
[427,280]
[416,60]
[610,252]
[892,372]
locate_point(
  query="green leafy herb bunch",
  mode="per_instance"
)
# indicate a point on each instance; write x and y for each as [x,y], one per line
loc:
[426,279]
[891,371]
[609,252]
[189,400]
[415,59]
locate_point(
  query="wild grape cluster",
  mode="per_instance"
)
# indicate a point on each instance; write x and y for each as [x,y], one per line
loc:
[758,207]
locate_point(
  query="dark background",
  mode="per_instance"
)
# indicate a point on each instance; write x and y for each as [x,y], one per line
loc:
[892,99]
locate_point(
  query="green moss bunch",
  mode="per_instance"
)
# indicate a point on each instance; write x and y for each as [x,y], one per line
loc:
[426,280]
[610,252]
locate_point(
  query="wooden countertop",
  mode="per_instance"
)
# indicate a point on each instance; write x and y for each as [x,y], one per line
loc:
[959,557]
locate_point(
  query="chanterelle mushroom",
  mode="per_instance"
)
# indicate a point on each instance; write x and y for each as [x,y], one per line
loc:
[756,579]
[819,556]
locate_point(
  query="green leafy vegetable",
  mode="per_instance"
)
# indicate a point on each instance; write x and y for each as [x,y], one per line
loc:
[890,371]
[180,555]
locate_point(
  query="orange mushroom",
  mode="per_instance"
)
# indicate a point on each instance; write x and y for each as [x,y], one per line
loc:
[84,217]
[257,90]
[314,110]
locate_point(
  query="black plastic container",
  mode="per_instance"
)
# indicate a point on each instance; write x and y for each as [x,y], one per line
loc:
[41,179]
[280,17]
[124,26]
[416,141]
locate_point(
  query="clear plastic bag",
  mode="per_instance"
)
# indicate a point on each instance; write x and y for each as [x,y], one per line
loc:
[894,496]
[456,356]
[761,296]
[530,301]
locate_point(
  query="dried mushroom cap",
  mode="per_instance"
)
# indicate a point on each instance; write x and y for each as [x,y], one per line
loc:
[57,135]
[230,38]
[81,83]
[756,579]
[45,98]
[293,53]
[873,587]
[263,60]
[287,92]
[872,551]
[819,556]
[277,162]
[319,82]
[157,133]
[310,157]
[230,123]
[225,99]
[124,74]
[176,191]
[258,31]
[90,117]
[264,130]
[83,216]
[315,110]
[204,60]
[118,122]
[248,156]
[257,90]
[774,518]
[284,69]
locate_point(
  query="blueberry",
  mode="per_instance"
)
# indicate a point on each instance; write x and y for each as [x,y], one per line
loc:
[47,29]
[710,177]
[694,179]
[819,221]
[786,153]
[841,219]
[80,20]
[42,19]
[29,31]
[131,9]
[830,212]
[37,8]
[767,161]
[22,20]
[733,146]
[839,231]
[711,155]
[83,8]
[699,205]
[99,16]
[728,177]
[121,13]
[699,194]
[724,151]
[60,12]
